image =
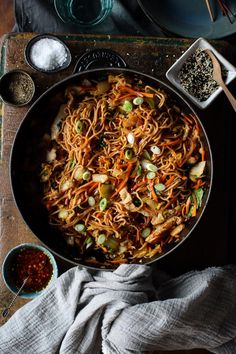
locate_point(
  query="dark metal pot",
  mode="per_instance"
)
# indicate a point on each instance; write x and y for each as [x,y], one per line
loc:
[28,154]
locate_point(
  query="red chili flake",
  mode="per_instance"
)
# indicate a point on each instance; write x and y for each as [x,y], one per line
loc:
[35,264]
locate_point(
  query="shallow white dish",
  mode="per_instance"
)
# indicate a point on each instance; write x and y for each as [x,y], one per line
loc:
[173,71]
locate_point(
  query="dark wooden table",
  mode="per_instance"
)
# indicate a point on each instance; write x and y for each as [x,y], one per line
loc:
[210,243]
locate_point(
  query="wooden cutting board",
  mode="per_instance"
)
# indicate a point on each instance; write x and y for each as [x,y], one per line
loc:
[150,55]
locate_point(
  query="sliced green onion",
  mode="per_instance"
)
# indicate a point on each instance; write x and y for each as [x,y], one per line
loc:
[127,106]
[159,187]
[137,101]
[100,178]
[147,165]
[146,155]
[79,126]
[91,201]
[88,245]
[79,227]
[112,243]
[150,102]
[88,240]
[146,232]
[128,154]
[103,204]
[63,213]
[86,175]
[79,173]
[72,164]
[101,239]
[139,171]
[130,138]
[155,150]
[66,185]
[151,175]
[151,167]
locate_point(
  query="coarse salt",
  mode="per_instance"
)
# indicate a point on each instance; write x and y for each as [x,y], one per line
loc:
[48,54]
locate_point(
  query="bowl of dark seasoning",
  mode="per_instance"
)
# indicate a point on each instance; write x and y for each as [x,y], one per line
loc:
[17,88]
[192,73]
[47,53]
[32,262]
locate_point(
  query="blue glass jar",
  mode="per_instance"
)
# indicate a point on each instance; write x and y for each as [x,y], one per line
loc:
[84,13]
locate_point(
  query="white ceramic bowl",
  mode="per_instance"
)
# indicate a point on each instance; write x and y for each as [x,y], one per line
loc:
[173,72]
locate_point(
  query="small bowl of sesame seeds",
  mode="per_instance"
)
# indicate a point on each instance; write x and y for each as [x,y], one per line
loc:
[192,73]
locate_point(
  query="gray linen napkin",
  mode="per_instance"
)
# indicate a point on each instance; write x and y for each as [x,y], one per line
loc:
[123,312]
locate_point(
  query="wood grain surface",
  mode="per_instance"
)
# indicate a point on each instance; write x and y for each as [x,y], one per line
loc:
[7,16]
[149,55]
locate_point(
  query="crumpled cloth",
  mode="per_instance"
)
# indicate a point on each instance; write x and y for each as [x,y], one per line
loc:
[125,311]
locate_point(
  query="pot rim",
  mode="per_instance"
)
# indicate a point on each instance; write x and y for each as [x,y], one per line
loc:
[155,81]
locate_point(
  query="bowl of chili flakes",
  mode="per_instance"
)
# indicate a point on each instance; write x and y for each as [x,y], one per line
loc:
[31,261]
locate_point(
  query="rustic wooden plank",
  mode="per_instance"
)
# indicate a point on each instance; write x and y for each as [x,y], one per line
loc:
[150,55]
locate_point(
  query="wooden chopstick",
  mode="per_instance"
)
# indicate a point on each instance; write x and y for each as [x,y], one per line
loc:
[226,10]
[210,10]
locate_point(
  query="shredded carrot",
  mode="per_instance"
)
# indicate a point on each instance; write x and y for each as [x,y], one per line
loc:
[170,202]
[202,151]
[103,248]
[187,119]
[125,180]
[194,211]
[170,180]
[195,120]
[125,97]
[99,214]
[187,206]
[136,93]
[84,187]
[138,185]
[121,154]
[172,142]
[153,193]
[151,212]
[115,261]
[183,212]
[93,187]
[199,184]
[122,165]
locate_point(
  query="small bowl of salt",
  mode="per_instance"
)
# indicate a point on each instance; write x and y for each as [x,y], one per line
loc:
[47,53]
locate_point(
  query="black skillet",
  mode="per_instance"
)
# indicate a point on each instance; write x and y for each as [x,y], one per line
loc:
[28,152]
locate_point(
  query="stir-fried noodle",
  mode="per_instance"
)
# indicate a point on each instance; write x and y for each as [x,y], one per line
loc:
[125,171]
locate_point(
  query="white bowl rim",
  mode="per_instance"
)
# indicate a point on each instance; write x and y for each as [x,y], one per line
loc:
[171,72]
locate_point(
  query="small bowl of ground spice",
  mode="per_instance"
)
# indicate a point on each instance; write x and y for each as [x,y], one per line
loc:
[192,73]
[32,262]
[17,88]
[47,53]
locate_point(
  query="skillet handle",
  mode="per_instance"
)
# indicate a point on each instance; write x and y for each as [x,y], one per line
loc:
[99,58]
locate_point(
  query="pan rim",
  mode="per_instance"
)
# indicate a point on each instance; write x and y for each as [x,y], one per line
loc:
[102,71]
